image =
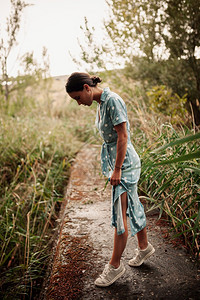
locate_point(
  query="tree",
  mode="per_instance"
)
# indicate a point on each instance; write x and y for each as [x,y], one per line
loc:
[130,30]
[33,71]
[182,18]
[159,40]
[6,45]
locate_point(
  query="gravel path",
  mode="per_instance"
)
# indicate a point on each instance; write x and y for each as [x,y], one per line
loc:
[84,246]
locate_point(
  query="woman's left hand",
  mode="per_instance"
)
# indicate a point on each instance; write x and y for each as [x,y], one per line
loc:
[116,177]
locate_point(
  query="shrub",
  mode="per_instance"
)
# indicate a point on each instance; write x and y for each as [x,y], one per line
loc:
[163,100]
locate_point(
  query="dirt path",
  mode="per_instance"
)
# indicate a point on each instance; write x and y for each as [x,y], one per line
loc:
[85,241]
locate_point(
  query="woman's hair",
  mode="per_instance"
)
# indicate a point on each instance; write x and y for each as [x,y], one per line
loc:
[76,81]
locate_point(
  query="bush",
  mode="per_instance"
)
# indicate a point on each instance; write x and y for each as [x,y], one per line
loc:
[163,100]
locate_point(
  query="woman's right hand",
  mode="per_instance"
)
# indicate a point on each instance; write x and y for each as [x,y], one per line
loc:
[116,177]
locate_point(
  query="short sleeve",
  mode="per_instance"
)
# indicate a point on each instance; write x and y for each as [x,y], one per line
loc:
[117,110]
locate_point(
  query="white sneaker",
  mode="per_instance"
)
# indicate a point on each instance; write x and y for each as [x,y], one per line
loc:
[141,256]
[110,275]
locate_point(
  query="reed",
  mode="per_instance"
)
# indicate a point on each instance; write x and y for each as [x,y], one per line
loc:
[170,179]
[36,155]
[38,144]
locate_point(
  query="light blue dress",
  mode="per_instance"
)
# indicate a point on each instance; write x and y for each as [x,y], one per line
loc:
[111,112]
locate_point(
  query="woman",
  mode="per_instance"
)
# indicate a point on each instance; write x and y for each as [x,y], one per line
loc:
[121,164]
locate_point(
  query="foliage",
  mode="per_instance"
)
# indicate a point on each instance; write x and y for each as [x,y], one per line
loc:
[32,71]
[33,75]
[33,170]
[36,155]
[37,149]
[96,57]
[170,180]
[160,36]
[6,45]
[163,30]
[156,28]
[161,99]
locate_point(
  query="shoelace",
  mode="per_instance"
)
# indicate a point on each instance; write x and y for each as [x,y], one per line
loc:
[105,272]
[137,254]
[136,251]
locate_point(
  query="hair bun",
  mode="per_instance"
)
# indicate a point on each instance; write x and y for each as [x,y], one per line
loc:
[96,79]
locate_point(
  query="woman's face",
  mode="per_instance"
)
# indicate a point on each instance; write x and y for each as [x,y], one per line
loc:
[84,97]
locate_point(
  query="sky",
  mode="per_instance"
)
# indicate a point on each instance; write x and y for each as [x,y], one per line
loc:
[54,24]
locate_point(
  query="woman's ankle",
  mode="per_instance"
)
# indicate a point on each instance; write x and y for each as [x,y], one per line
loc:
[114,264]
[142,239]
[143,246]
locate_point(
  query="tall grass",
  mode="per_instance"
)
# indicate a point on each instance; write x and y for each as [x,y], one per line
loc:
[30,189]
[170,170]
[170,180]
[39,139]
[36,155]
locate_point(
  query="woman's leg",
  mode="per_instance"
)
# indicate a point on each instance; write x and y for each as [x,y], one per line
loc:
[145,249]
[142,239]
[120,240]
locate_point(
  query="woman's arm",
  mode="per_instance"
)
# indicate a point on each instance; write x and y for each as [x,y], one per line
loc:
[121,152]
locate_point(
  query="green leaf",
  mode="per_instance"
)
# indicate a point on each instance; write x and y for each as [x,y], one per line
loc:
[188,138]
[181,158]
[194,169]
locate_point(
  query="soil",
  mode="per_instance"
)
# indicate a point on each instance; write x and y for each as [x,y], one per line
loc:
[85,240]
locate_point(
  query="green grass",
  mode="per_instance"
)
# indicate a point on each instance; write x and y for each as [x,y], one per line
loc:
[36,155]
[38,144]
[170,179]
